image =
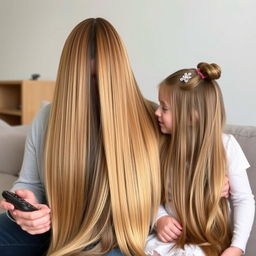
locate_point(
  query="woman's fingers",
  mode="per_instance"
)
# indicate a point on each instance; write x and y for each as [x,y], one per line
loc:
[36,222]
[6,206]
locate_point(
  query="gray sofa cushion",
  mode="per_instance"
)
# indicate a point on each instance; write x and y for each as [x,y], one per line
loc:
[5,181]
[3,124]
[12,140]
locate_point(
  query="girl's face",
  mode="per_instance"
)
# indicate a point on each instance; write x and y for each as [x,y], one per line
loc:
[164,113]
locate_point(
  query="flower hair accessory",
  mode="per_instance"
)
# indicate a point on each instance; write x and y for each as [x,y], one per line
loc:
[185,78]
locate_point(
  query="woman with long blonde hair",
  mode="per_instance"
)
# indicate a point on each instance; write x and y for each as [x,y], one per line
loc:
[101,149]
[93,154]
[195,158]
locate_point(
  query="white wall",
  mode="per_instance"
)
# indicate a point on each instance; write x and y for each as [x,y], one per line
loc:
[161,37]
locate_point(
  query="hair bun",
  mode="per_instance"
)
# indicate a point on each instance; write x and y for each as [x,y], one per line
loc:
[211,71]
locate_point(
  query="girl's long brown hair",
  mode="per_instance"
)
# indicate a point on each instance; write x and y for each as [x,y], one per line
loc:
[194,159]
[101,149]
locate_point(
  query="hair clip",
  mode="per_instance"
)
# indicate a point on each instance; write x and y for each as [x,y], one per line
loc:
[198,71]
[185,78]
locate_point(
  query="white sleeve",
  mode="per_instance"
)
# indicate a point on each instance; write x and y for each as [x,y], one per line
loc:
[161,212]
[242,199]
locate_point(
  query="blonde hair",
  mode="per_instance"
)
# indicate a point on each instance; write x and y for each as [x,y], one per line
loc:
[101,150]
[194,159]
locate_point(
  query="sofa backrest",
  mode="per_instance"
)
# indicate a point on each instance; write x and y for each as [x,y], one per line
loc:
[12,142]
[246,137]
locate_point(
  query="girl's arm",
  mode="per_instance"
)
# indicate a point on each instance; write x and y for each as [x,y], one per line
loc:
[161,212]
[242,199]
[232,251]
[167,227]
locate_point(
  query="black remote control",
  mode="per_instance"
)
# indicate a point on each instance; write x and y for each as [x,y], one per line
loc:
[18,202]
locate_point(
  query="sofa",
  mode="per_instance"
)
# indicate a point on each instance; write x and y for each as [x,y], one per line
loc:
[12,141]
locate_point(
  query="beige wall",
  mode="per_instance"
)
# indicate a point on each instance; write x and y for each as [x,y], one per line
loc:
[161,36]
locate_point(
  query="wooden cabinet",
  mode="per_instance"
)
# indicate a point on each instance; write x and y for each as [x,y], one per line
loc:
[21,100]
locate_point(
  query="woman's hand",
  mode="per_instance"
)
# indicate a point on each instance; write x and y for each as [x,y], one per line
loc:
[168,229]
[36,222]
[232,251]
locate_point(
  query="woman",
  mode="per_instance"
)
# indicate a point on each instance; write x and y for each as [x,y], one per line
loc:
[94,152]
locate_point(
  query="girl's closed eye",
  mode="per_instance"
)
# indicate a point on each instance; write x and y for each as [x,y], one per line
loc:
[165,108]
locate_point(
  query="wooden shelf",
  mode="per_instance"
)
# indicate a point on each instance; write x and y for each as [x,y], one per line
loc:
[20,100]
[12,112]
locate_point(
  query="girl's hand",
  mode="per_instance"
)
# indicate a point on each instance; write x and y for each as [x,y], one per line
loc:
[36,222]
[225,189]
[232,251]
[168,229]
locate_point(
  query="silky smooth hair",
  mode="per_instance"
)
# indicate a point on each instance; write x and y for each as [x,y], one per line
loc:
[194,160]
[101,149]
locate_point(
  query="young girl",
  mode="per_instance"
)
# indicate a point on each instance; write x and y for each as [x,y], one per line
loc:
[195,157]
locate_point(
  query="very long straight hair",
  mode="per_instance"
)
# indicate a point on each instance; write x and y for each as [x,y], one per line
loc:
[101,149]
[194,158]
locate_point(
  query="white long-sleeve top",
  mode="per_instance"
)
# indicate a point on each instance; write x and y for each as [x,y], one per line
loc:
[241,199]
